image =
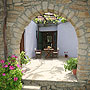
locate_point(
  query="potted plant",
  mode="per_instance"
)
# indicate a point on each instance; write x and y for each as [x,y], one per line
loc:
[71,65]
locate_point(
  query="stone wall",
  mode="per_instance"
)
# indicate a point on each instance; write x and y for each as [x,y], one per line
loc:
[57,85]
[1,27]
[21,12]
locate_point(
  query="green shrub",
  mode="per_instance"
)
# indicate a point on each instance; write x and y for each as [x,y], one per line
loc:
[71,64]
[10,74]
[24,58]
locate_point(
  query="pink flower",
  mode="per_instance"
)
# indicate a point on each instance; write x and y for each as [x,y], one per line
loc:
[9,63]
[6,66]
[23,71]
[16,57]
[13,56]
[2,61]
[3,74]
[11,67]
[18,65]
[15,78]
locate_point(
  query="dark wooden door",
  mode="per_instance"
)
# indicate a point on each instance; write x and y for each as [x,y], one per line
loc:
[22,43]
[49,39]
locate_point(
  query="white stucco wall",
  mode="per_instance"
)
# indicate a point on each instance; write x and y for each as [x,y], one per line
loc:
[49,28]
[30,41]
[67,39]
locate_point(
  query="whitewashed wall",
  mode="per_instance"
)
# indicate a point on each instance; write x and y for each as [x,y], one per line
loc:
[67,39]
[49,28]
[30,39]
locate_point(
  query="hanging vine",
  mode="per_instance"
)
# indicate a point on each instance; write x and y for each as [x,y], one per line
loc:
[46,19]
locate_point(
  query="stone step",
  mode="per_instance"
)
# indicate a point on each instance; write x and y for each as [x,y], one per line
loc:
[25,87]
[55,85]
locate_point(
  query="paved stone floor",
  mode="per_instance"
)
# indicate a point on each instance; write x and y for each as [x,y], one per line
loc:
[50,69]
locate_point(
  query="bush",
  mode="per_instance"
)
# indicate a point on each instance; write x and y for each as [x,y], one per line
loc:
[24,58]
[10,74]
[71,64]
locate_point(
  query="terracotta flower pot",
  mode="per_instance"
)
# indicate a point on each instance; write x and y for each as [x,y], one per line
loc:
[74,71]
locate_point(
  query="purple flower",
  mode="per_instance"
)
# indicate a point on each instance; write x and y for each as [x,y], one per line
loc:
[11,67]
[2,61]
[6,66]
[15,78]
[3,74]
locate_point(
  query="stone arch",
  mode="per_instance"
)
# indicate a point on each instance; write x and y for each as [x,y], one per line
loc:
[24,19]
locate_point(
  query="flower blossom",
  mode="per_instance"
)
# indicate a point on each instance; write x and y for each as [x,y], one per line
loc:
[11,67]
[6,66]
[13,56]
[3,74]
[2,61]
[9,63]
[16,57]
[18,65]
[15,78]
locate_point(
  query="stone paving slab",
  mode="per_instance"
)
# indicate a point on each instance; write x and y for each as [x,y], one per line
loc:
[50,69]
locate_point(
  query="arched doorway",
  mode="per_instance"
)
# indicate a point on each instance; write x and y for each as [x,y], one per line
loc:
[71,16]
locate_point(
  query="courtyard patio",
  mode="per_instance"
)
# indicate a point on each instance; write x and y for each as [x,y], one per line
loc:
[47,70]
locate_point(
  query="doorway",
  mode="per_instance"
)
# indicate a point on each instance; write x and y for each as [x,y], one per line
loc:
[47,39]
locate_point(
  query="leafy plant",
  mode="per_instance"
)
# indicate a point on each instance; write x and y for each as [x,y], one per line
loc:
[71,64]
[24,58]
[10,74]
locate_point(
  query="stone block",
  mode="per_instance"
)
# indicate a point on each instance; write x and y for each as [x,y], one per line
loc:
[81,32]
[65,12]
[88,30]
[9,2]
[58,1]
[14,41]
[87,35]
[79,24]
[82,52]
[83,46]
[18,4]
[15,1]
[74,19]
[82,39]
[78,7]
[25,18]
[56,10]
[20,20]
[51,7]
[44,5]
[71,15]
[28,13]
[19,8]
[61,9]
[66,1]
[83,14]
[87,24]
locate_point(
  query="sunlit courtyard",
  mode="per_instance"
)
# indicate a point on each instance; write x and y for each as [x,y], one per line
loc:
[47,69]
